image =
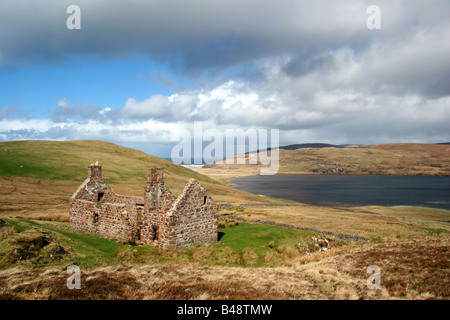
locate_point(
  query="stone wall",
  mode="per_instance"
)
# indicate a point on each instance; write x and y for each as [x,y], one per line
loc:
[110,220]
[134,207]
[193,218]
[95,208]
[158,200]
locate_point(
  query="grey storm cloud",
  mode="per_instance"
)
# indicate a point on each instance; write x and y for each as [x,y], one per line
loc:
[295,65]
[409,53]
[300,66]
[197,35]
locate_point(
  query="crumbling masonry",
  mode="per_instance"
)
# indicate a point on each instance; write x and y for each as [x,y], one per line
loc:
[158,219]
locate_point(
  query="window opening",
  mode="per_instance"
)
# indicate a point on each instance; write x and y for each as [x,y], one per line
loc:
[155,233]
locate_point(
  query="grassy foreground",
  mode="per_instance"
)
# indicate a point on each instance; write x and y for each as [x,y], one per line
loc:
[32,268]
[251,260]
[32,243]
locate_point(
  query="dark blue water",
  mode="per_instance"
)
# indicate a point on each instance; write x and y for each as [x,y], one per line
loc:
[352,190]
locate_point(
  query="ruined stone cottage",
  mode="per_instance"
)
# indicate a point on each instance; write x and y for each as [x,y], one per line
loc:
[158,219]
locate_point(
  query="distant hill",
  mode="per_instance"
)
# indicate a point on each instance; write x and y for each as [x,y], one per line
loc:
[68,160]
[309,145]
[391,159]
[303,146]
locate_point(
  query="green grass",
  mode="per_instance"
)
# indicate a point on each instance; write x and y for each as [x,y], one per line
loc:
[18,225]
[242,245]
[105,248]
[432,231]
[68,160]
[85,250]
[258,236]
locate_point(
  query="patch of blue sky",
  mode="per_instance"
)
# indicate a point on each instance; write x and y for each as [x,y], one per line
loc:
[101,83]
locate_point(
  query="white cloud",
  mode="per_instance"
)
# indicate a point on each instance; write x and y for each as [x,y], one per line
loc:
[104,111]
[63,102]
[20,124]
[165,108]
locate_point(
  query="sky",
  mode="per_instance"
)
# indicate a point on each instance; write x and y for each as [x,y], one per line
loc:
[139,73]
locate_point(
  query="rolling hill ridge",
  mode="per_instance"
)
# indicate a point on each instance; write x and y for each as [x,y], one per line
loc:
[383,159]
[37,178]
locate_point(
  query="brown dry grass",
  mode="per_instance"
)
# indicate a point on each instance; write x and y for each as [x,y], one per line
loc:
[5,231]
[160,282]
[35,199]
[382,223]
[409,270]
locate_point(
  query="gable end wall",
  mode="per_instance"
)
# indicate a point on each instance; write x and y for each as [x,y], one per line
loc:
[193,222]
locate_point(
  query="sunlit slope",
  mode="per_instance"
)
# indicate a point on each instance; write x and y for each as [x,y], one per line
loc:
[124,168]
[69,160]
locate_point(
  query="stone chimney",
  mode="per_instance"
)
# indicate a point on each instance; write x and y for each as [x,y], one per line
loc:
[155,176]
[95,172]
[153,189]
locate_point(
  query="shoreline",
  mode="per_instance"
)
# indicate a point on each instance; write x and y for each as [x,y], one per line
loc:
[235,173]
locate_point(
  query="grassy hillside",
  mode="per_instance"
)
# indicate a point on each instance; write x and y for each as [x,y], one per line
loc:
[389,159]
[38,177]
[54,160]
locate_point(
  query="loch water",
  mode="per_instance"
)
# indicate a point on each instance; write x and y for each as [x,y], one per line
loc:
[351,190]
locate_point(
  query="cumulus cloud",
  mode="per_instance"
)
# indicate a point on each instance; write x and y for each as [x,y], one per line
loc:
[165,108]
[143,132]
[80,112]
[338,116]
[11,112]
